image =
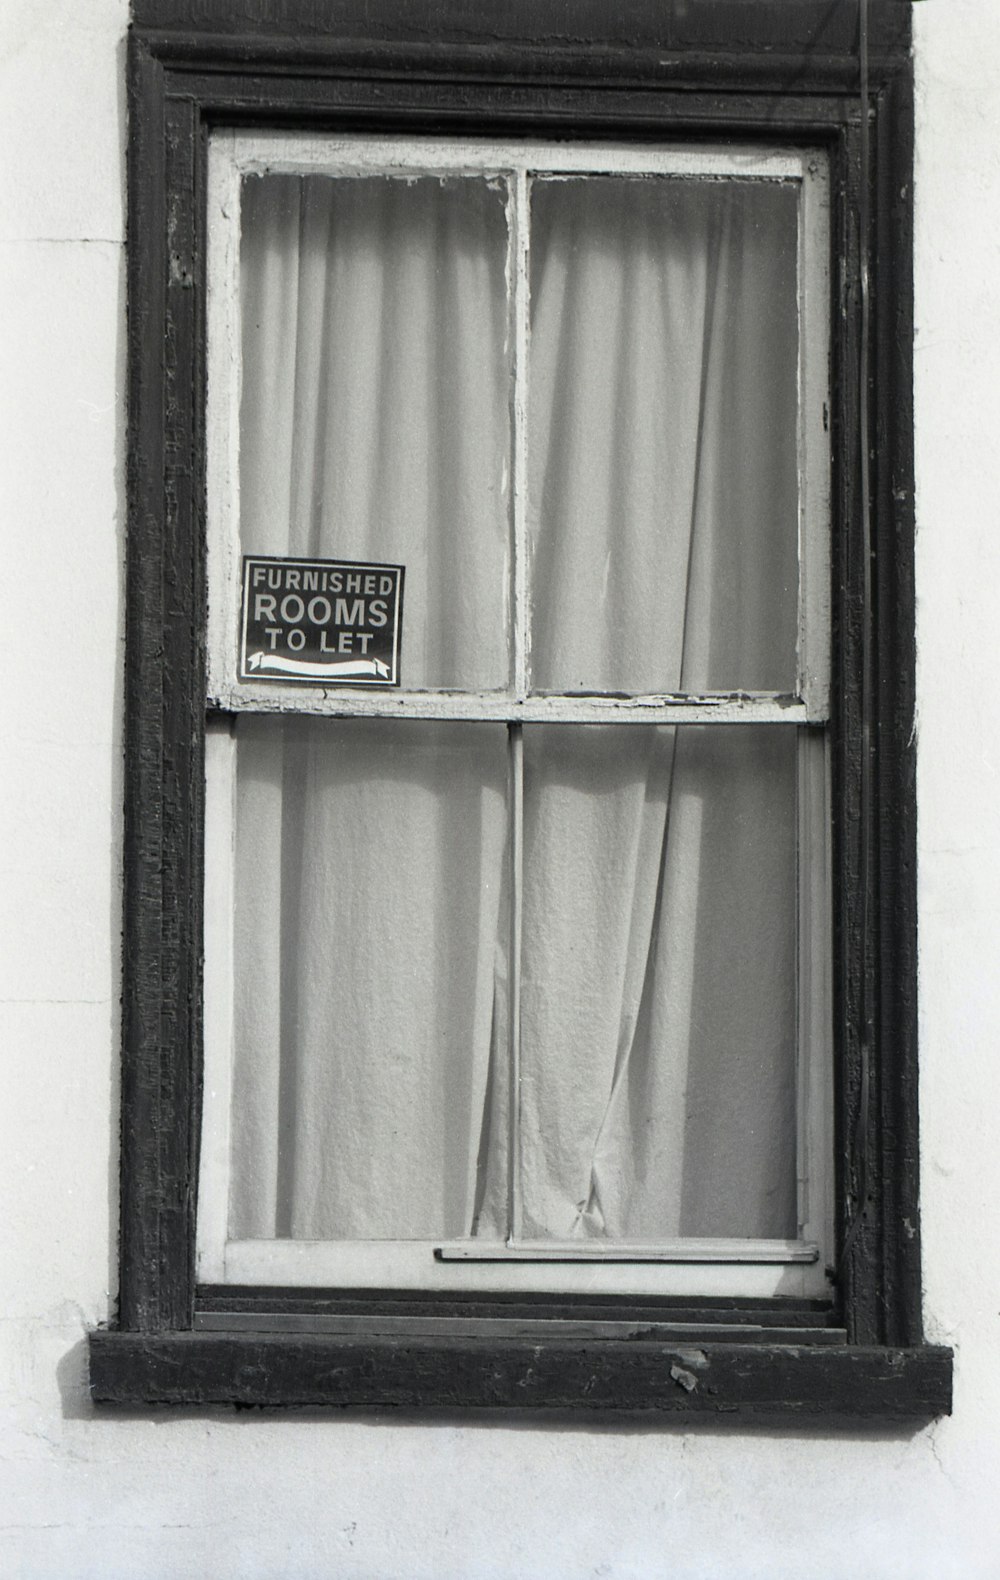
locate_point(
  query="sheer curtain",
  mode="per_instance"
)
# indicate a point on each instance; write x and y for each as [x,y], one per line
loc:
[657,1095]
[369,855]
[658,1027]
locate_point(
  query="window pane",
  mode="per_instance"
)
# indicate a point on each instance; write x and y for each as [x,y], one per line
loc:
[658,1010]
[371,924]
[374,417]
[663,435]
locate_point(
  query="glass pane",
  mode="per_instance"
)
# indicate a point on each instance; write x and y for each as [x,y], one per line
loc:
[663,435]
[370,922]
[658,1010]
[376,379]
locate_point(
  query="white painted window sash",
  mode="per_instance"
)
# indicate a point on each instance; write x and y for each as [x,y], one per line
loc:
[232,155]
[755,1269]
[218,1029]
[750,1268]
[813,439]
[736,707]
[291,153]
[814,996]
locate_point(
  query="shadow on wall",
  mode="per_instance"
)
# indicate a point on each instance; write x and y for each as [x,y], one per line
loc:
[73,1382]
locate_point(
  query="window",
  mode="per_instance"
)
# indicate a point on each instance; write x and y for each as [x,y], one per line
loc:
[518,970]
[513,732]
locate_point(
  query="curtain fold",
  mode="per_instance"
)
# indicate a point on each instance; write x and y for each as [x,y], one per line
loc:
[364,1019]
[657,1098]
[369,856]
[658,1011]
[375,386]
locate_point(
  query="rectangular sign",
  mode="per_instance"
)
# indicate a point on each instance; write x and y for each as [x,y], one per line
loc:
[321,622]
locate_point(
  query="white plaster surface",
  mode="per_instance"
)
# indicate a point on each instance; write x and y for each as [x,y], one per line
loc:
[166,1495]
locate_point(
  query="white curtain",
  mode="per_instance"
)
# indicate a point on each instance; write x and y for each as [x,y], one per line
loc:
[369,857]
[658,1006]
[658,1025]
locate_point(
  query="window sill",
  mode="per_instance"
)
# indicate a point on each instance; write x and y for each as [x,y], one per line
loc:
[636,1378]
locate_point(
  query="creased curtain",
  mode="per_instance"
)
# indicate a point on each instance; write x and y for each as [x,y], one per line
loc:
[658,1005]
[369,855]
[658,1028]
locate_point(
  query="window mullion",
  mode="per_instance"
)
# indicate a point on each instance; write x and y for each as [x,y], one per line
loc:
[516,744]
[519,419]
[521,665]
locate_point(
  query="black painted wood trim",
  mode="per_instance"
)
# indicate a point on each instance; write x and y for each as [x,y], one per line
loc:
[626,1378]
[649,112]
[152,1038]
[895,834]
[783,1312]
[657,70]
[164,729]
[878,1153]
[811,28]
[691,72]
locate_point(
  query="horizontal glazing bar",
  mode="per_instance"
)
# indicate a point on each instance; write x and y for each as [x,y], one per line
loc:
[729,708]
[619,1251]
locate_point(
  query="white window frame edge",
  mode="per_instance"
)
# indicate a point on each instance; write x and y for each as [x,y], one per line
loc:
[751,1268]
[234,154]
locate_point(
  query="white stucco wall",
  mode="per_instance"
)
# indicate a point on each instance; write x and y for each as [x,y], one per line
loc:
[171,1495]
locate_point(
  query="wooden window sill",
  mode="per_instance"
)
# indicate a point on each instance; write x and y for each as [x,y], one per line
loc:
[639,1378]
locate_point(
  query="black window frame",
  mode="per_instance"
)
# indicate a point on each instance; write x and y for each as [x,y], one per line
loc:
[775,69]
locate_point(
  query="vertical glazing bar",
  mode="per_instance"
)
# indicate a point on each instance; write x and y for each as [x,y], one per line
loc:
[522,672]
[522,615]
[516,739]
